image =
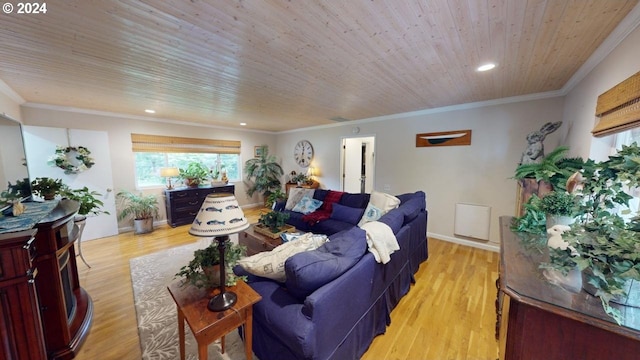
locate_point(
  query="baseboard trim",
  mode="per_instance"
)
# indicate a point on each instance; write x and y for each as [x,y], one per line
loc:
[484,245]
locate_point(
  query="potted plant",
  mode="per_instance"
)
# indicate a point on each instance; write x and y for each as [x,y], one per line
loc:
[46,188]
[201,270]
[300,179]
[142,208]
[602,243]
[559,207]
[89,203]
[194,174]
[273,223]
[262,173]
[274,197]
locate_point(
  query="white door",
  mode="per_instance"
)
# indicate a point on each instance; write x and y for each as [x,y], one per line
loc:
[40,145]
[358,164]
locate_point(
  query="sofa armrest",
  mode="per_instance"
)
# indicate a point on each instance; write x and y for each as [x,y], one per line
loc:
[337,306]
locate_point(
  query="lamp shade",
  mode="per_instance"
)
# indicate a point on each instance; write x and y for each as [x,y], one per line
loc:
[169,172]
[219,215]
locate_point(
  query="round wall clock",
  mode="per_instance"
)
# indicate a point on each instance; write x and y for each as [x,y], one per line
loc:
[303,153]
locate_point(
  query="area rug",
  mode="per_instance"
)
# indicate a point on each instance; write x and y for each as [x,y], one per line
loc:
[156,311]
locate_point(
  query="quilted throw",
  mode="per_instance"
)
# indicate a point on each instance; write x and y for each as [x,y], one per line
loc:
[325,210]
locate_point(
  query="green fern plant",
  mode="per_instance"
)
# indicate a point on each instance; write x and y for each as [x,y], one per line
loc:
[555,168]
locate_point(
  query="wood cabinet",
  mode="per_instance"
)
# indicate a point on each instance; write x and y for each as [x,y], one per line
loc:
[20,328]
[66,309]
[182,204]
[539,320]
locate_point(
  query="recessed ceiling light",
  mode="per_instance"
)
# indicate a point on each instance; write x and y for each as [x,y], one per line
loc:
[149,111]
[486,67]
[243,124]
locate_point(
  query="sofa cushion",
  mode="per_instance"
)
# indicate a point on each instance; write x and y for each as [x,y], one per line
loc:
[347,214]
[412,208]
[394,219]
[307,205]
[270,264]
[330,226]
[320,194]
[295,195]
[355,200]
[310,270]
[379,204]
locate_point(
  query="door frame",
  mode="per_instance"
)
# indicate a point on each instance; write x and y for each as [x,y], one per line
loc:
[371,165]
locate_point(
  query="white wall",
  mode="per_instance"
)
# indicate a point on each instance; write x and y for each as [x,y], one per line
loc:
[580,102]
[119,131]
[480,173]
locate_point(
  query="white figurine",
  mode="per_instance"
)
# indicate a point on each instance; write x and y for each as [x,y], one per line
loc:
[555,240]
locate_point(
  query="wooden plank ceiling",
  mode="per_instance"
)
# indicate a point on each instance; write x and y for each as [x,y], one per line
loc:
[280,65]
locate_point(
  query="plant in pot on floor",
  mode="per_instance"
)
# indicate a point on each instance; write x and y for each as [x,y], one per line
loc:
[46,188]
[194,174]
[142,208]
[203,270]
[262,174]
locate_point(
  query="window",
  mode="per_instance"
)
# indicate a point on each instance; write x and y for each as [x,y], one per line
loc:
[155,152]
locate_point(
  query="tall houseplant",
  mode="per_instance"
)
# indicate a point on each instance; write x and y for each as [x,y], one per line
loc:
[263,173]
[141,208]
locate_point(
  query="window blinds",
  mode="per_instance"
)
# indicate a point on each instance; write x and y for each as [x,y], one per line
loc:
[619,108]
[158,143]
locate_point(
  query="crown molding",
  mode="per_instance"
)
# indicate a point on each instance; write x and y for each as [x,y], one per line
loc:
[135,117]
[7,90]
[424,112]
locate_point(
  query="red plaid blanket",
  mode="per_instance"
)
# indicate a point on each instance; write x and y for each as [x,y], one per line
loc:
[325,210]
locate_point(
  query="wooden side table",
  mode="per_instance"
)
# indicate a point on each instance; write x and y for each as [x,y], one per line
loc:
[208,326]
[313,185]
[256,242]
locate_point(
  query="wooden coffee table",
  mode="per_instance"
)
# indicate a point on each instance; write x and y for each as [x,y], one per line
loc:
[208,326]
[256,242]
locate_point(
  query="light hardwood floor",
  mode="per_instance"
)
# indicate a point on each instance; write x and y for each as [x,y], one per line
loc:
[448,314]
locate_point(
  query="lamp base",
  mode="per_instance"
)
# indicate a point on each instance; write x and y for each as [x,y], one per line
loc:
[222,301]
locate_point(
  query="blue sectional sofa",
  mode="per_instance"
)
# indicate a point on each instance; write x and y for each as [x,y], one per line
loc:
[337,298]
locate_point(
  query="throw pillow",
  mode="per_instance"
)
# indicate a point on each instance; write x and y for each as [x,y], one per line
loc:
[270,264]
[347,214]
[307,205]
[379,204]
[307,272]
[371,213]
[384,201]
[295,195]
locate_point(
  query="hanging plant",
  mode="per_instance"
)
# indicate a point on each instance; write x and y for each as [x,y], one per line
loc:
[71,159]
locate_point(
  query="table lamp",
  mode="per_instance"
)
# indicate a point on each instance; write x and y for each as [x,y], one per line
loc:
[169,172]
[218,217]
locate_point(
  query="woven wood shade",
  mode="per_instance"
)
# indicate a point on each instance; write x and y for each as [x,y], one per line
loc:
[619,108]
[157,143]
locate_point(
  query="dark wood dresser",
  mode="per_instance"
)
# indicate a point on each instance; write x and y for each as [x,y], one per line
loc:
[21,327]
[182,204]
[44,312]
[539,320]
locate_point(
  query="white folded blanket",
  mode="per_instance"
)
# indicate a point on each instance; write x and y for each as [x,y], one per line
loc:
[381,240]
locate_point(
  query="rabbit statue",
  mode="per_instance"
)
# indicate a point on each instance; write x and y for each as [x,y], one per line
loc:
[535,148]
